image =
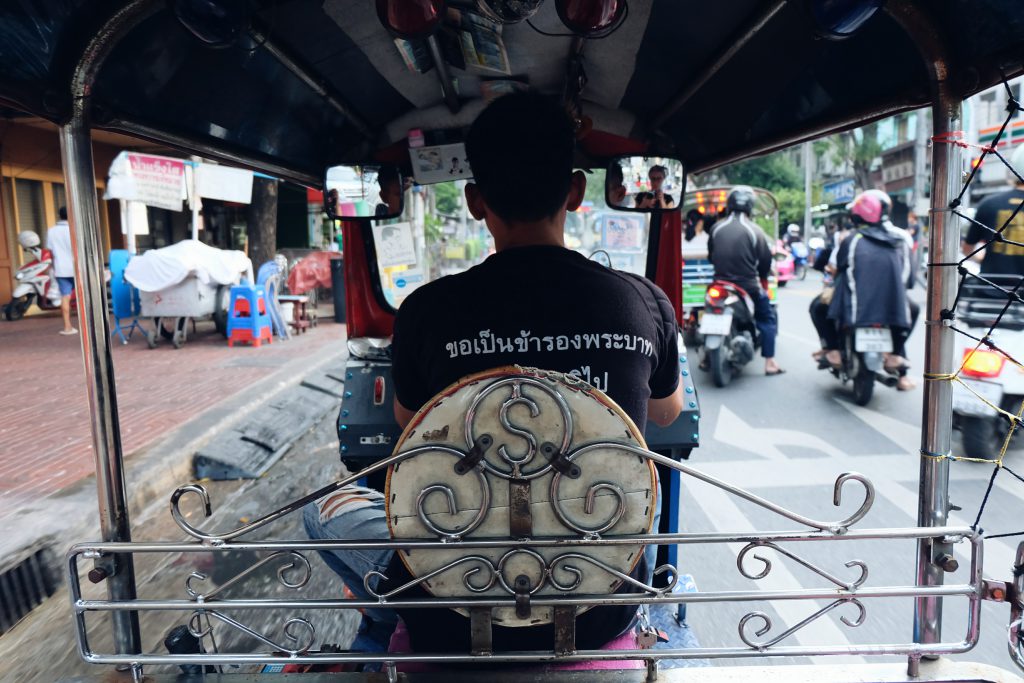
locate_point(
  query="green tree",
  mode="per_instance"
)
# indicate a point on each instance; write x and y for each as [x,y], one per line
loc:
[859,148]
[448,198]
[773,172]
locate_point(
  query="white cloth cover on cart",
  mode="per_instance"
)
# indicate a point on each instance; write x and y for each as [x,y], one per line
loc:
[159,269]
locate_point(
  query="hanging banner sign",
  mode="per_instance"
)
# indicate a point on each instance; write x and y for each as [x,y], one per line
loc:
[224,183]
[147,178]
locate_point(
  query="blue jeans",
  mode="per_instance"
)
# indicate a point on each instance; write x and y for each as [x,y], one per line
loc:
[767,323]
[355,513]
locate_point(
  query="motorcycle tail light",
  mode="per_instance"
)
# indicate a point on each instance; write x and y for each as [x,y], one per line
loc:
[982,363]
[715,294]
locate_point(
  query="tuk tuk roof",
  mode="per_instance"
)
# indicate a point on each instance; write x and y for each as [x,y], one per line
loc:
[321,81]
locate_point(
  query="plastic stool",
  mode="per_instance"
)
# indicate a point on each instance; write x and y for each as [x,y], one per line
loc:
[248,320]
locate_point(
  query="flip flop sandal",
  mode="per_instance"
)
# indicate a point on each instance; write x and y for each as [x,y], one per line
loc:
[780,371]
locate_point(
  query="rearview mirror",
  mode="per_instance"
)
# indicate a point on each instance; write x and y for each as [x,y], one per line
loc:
[644,183]
[366,191]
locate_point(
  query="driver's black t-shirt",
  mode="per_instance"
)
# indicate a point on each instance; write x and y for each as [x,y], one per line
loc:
[545,307]
[1001,258]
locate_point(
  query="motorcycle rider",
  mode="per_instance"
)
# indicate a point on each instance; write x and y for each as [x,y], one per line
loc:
[792,235]
[871,285]
[739,251]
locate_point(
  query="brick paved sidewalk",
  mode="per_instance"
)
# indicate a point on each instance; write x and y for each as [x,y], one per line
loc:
[45,443]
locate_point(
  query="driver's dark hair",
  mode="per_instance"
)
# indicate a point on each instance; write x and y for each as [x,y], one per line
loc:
[521,150]
[63,213]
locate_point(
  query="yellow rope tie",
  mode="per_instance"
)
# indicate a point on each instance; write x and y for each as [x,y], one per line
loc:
[1014,422]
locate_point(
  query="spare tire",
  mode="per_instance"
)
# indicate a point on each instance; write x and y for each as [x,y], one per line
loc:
[220,309]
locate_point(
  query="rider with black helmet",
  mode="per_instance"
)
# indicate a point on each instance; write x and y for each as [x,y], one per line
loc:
[739,250]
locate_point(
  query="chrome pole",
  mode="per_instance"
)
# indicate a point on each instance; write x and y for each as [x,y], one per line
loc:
[937,419]
[83,212]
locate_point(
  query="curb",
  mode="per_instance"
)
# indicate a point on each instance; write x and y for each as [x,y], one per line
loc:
[53,523]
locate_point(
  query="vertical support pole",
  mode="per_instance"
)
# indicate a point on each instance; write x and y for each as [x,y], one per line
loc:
[937,422]
[83,211]
[808,160]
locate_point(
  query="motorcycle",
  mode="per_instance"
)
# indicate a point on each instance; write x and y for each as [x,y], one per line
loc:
[34,281]
[730,335]
[987,380]
[801,254]
[863,352]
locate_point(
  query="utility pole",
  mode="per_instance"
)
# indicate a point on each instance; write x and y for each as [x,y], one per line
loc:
[808,160]
[921,133]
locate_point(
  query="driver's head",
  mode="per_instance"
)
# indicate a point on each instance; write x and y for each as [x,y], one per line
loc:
[615,188]
[520,149]
[389,180]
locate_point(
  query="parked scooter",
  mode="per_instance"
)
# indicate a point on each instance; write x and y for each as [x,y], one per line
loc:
[863,352]
[730,335]
[989,381]
[34,281]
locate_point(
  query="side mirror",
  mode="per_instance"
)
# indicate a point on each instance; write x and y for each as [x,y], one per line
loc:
[644,184]
[375,191]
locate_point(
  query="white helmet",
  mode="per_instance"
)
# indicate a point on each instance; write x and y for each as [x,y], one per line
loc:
[883,197]
[28,239]
[793,229]
[1017,161]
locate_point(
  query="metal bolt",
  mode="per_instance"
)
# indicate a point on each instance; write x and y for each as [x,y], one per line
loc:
[693,404]
[348,375]
[344,413]
[344,449]
[682,359]
[695,437]
[947,562]
[347,394]
[686,373]
[694,418]
[97,574]
[343,428]
[689,390]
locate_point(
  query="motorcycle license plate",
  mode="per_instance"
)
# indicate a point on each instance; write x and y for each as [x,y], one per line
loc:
[967,403]
[873,339]
[715,323]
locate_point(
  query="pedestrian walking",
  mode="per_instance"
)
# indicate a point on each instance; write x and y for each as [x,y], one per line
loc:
[58,241]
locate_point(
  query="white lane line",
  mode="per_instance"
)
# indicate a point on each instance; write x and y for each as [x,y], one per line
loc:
[733,430]
[810,343]
[725,515]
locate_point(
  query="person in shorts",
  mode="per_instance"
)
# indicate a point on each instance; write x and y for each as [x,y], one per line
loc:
[58,241]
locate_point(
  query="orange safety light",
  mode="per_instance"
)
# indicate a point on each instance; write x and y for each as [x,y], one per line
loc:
[975,162]
[701,209]
[982,363]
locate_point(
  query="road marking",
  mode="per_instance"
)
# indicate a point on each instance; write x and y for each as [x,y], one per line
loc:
[732,430]
[728,517]
[802,340]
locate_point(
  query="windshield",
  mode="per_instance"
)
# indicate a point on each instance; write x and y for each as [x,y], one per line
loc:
[436,236]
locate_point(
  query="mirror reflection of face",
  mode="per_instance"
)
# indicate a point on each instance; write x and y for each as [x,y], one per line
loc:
[615,189]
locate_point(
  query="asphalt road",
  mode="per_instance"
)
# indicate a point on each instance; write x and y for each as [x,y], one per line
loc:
[783,438]
[787,439]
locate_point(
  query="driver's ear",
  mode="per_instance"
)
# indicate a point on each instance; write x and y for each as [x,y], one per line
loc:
[577,191]
[475,202]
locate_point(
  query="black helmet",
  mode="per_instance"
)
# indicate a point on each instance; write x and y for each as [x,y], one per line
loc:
[741,199]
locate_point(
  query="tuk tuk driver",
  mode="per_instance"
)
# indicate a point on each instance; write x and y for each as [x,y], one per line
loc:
[521,150]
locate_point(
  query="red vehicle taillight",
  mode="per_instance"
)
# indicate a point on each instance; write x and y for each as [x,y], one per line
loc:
[716,294]
[982,363]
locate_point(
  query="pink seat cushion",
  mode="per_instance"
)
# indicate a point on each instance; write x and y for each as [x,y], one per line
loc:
[627,641]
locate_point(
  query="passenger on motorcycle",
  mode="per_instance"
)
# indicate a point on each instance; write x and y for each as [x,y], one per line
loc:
[871,286]
[740,253]
[521,150]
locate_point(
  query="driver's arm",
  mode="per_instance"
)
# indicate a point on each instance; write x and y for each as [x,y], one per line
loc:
[664,411]
[402,414]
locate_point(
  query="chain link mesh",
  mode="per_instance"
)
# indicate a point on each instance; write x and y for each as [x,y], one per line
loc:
[987,300]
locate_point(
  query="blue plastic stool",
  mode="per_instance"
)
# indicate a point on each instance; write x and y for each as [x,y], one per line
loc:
[248,319]
[124,299]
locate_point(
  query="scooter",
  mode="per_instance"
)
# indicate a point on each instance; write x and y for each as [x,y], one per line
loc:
[35,283]
[863,352]
[987,380]
[730,335]
[800,254]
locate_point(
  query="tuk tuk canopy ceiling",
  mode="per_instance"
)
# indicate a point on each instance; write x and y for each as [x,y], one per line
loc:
[245,103]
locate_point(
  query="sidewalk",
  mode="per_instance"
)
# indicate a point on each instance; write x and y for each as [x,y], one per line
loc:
[45,442]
